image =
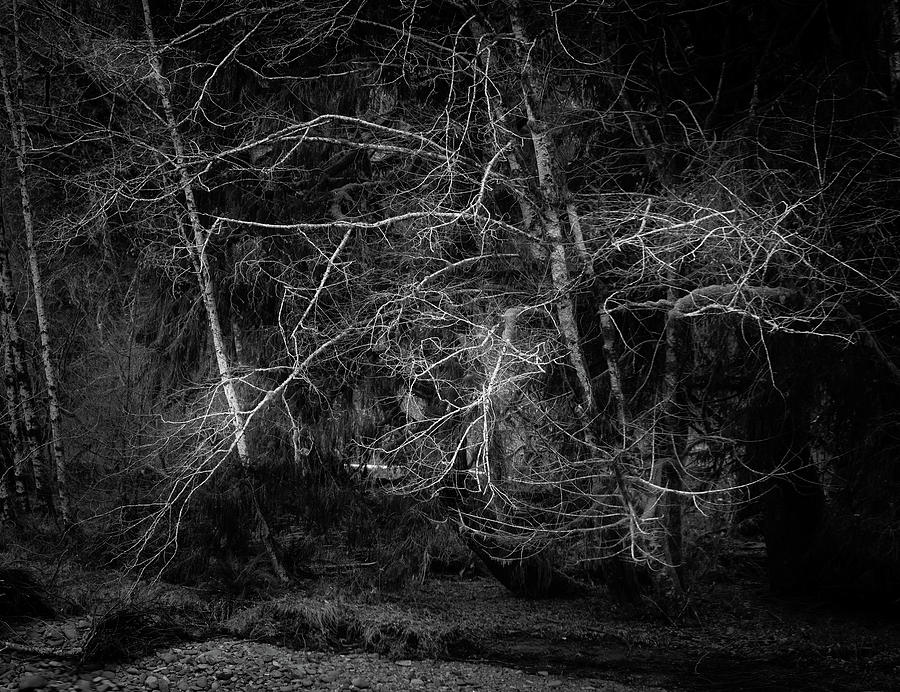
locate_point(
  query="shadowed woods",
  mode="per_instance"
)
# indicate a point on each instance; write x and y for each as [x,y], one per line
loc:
[594,298]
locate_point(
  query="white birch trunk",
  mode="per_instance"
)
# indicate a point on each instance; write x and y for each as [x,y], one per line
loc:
[13,424]
[28,440]
[18,134]
[619,573]
[207,288]
[553,231]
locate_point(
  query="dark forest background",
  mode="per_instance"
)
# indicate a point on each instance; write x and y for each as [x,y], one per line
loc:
[594,289]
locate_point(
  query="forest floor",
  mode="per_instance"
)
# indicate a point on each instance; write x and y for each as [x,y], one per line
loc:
[463,634]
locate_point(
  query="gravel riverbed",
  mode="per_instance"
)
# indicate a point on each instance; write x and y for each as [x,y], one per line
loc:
[244,666]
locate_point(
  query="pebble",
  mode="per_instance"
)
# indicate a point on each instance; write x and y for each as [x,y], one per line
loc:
[244,666]
[32,681]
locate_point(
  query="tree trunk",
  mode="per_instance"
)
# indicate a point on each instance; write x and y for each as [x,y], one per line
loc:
[892,34]
[8,489]
[197,250]
[13,447]
[28,437]
[16,115]
[550,204]
[674,429]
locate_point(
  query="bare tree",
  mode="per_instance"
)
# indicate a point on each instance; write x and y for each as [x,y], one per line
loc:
[12,86]
[30,466]
[197,247]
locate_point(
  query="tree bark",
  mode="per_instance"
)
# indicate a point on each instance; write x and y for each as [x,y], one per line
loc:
[674,429]
[18,134]
[13,447]
[28,438]
[550,200]
[892,31]
[200,258]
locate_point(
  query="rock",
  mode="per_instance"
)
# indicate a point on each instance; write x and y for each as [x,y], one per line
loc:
[417,682]
[202,682]
[543,673]
[361,683]
[32,681]
[152,682]
[405,663]
[84,686]
[554,683]
[225,674]
[163,685]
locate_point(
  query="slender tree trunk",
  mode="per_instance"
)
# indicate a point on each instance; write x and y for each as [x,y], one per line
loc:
[553,231]
[619,575]
[13,424]
[8,507]
[198,252]
[16,115]
[29,439]
[495,106]
[674,442]
[892,33]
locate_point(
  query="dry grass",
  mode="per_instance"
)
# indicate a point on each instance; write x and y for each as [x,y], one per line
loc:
[144,620]
[303,622]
